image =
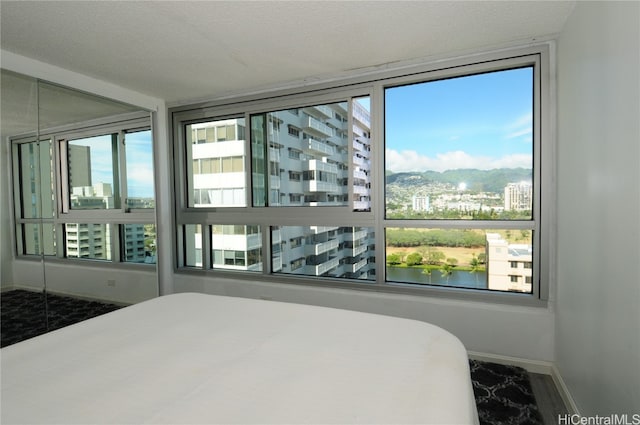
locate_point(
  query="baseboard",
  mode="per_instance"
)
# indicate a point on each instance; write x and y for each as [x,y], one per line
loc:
[533,366]
[563,390]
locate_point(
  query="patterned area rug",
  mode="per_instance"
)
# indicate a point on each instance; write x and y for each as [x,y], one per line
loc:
[23,314]
[503,395]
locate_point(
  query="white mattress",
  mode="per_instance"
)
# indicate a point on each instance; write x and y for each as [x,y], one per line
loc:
[194,358]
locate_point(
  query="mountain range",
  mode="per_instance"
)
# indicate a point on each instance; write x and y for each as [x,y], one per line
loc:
[475,180]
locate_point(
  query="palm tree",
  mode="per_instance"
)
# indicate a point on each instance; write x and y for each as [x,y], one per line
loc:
[446,271]
[427,271]
[475,266]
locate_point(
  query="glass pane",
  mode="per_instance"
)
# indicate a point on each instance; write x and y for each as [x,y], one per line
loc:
[192,245]
[36,237]
[500,260]
[361,154]
[93,172]
[139,243]
[236,247]
[216,157]
[301,157]
[461,148]
[342,252]
[36,179]
[89,241]
[139,156]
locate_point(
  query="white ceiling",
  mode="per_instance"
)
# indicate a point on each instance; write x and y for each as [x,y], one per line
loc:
[187,50]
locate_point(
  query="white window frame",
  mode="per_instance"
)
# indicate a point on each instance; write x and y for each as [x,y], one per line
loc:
[373,86]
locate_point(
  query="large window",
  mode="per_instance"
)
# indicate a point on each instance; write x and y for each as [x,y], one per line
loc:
[461,149]
[87,192]
[426,182]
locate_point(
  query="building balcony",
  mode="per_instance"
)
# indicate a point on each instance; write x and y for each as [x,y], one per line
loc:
[353,268]
[322,268]
[355,236]
[311,186]
[320,229]
[317,165]
[316,127]
[362,205]
[361,190]
[355,251]
[274,155]
[357,174]
[319,248]
[314,147]
[322,111]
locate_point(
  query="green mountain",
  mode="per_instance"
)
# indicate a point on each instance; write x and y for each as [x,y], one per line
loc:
[476,180]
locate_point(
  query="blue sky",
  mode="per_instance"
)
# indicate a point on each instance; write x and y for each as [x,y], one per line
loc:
[482,121]
[139,162]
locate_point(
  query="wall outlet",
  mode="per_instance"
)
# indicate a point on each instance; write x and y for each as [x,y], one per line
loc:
[111,282]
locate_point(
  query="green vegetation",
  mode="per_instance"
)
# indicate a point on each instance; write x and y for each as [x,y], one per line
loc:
[435,237]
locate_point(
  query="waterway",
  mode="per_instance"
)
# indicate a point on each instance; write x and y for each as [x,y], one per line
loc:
[459,279]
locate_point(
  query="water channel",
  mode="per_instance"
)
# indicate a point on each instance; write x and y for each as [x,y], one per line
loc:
[458,278]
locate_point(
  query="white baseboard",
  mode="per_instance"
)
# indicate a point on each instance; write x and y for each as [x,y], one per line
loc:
[533,366]
[563,390]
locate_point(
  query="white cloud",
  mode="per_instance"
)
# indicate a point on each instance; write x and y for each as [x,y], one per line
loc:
[522,127]
[412,161]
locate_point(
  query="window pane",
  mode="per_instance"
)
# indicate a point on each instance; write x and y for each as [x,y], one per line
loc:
[192,245]
[36,237]
[312,144]
[139,243]
[471,258]
[343,252]
[93,172]
[213,144]
[36,179]
[139,156]
[89,241]
[461,148]
[236,247]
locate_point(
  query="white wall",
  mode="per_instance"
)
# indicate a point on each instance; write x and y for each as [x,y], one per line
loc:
[598,290]
[90,281]
[523,332]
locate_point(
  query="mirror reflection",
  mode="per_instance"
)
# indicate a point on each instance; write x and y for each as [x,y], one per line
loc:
[83,208]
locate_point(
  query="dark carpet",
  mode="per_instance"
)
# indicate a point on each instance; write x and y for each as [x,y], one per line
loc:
[503,393]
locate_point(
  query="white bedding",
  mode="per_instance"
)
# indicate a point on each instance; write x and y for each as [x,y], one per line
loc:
[194,358]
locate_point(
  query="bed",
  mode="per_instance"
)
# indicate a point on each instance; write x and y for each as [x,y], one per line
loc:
[196,358]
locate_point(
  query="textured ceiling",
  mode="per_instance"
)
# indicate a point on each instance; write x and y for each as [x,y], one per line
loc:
[184,50]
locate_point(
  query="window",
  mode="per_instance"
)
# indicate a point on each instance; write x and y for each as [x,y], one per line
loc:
[461,150]
[86,192]
[418,183]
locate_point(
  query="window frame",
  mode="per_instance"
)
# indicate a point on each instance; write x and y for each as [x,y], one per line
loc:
[373,86]
[62,213]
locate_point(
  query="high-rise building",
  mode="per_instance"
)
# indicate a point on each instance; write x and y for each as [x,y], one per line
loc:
[420,203]
[299,157]
[518,196]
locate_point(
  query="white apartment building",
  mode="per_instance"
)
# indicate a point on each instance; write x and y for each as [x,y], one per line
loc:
[420,203]
[518,196]
[509,266]
[310,154]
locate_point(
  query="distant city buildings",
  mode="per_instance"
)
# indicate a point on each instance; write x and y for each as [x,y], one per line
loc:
[85,240]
